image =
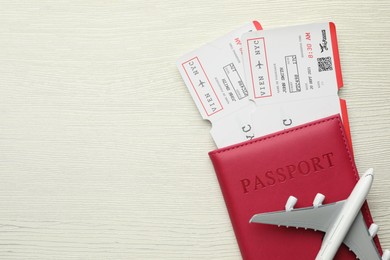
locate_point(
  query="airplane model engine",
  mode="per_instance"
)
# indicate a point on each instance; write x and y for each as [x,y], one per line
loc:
[386,255]
[319,198]
[373,229]
[291,203]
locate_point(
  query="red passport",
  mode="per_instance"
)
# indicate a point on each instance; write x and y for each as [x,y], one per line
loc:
[259,175]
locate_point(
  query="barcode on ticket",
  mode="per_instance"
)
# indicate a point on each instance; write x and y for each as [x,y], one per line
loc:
[324,64]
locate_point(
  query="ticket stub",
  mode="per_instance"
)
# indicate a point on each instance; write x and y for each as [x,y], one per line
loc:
[215,79]
[293,75]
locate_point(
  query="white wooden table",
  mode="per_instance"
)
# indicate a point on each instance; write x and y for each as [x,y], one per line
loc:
[103,154]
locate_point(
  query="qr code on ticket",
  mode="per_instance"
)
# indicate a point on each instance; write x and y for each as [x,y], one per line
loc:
[324,64]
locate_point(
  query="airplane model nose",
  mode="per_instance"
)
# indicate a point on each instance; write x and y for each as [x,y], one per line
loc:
[369,172]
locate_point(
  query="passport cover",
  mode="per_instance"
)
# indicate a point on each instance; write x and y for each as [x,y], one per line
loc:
[259,175]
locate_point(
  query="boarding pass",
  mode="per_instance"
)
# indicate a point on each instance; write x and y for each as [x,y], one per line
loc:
[293,75]
[215,79]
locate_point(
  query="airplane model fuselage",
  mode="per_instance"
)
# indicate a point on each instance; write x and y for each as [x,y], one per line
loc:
[335,236]
[341,221]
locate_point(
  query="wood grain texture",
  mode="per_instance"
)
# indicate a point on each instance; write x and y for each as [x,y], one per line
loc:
[103,154]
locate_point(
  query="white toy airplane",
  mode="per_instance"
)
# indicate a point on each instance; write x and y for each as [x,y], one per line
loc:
[341,221]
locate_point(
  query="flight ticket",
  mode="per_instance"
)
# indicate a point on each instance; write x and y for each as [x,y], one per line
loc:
[215,79]
[293,75]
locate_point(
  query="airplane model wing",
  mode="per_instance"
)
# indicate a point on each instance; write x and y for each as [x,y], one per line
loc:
[359,239]
[317,218]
